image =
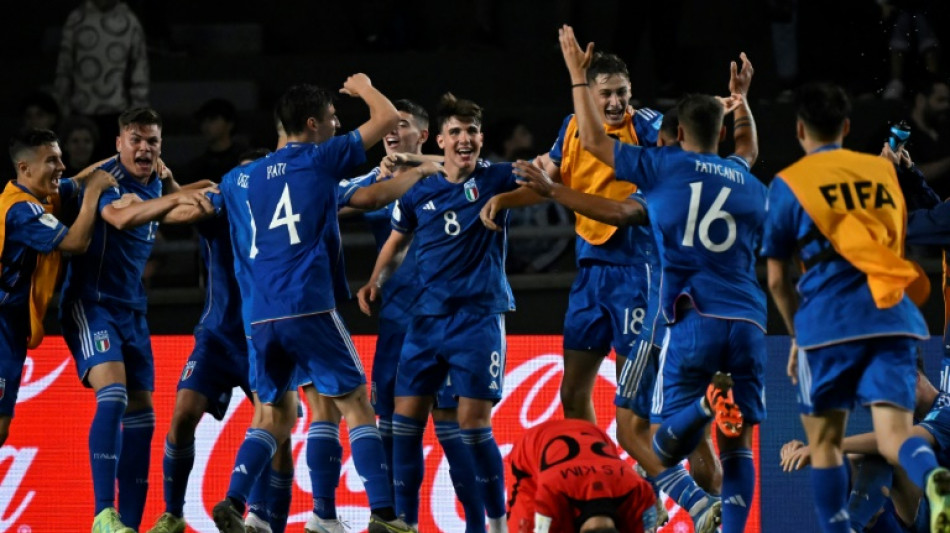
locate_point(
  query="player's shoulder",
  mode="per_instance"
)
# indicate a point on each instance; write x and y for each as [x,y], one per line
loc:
[24,210]
[648,115]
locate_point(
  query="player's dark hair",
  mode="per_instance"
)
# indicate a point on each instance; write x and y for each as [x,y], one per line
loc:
[609,64]
[142,116]
[701,115]
[450,106]
[670,124]
[253,154]
[41,100]
[299,103]
[823,107]
[28,139]
[419,113]
[603,530]
[79,123]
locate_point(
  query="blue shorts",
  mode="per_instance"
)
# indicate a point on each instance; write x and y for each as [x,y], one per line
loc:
[606,307]
[469,349]
[214,368]
[879,369]
[637,378]
[14,330]
[99,333]
[696,347]
[319,344]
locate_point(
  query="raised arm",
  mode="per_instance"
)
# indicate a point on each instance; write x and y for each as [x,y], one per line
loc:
[744,131]
[616,213]
[385,264]
[383,116]
[593,137]
[80,233]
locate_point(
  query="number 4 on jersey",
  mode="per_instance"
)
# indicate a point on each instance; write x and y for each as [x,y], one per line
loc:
[284,216]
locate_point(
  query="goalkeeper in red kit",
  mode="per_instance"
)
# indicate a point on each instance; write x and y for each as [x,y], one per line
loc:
[569,478]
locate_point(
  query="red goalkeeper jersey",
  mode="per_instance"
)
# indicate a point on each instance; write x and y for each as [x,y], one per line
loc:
[566,471]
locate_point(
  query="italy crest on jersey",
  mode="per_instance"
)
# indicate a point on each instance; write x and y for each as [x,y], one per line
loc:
[101,340]
[188,370]
[471,190]
[3,387]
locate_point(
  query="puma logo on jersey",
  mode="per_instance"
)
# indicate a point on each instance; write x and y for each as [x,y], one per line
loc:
[429,206]
[862,190]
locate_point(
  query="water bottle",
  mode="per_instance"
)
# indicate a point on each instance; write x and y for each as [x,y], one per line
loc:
[900,133]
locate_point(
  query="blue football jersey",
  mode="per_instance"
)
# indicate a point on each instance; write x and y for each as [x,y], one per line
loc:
[111,269]
[28,230]
[460,263]
[626,246]
[401,289]
[221,315]
[233,200]
[707,214]
[836,303]
[298,269]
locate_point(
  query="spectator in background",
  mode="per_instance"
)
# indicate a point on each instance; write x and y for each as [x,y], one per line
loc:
[911,26]
[537,254]
[39,111]
[783,15]
[511,137]
[80,138]
[217,118]
[930,132]
[102,68]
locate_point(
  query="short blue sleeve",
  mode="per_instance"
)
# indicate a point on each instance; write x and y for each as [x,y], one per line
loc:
[347,188]
[505,172]
[29,224]
[67,188]
[404,214]
[647,122]
[217,201]
[108,196]
[341,154]
[636,164]
[556,153]
[779,238]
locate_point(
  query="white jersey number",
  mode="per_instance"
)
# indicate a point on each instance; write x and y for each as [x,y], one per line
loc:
[452,226]
[253,252]
[714,213]
[284,216]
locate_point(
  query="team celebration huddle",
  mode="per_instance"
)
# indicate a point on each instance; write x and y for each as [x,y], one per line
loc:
[664,224]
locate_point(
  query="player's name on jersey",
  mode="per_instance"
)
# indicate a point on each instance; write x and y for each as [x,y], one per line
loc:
[847,192]
[276,170]
[720,170]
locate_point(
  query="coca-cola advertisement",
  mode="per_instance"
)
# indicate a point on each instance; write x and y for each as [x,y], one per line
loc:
[45,482]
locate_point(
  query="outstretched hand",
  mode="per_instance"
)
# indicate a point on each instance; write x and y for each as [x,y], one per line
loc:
[576,59]
[534,178]
[740,79]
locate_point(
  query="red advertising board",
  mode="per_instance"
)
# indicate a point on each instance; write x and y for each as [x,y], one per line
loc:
[45,483]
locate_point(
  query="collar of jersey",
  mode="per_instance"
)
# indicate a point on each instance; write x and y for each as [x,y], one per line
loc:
[27,191]
[826,148]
